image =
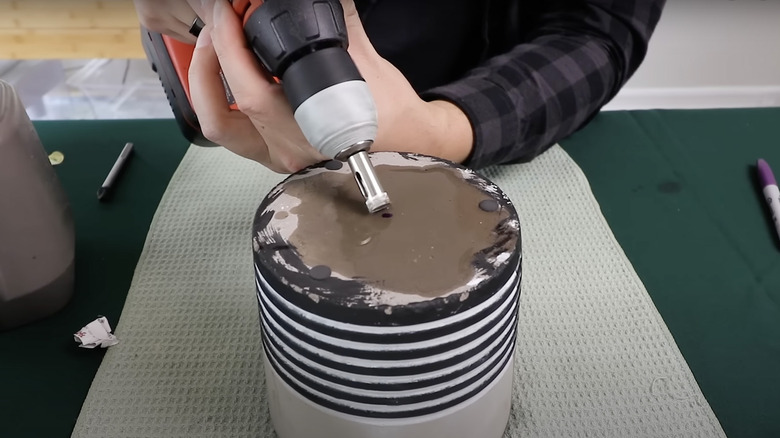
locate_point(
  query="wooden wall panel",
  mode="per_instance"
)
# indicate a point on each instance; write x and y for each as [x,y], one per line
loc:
[62,29]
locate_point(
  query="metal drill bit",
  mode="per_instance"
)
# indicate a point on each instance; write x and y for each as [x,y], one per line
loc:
[368,182]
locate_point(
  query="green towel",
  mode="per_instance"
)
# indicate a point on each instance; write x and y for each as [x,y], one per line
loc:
[593,357]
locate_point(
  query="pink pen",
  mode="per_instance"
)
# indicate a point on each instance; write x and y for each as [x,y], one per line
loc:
[771,192]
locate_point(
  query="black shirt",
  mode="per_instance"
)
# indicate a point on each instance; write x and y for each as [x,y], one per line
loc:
[431,42]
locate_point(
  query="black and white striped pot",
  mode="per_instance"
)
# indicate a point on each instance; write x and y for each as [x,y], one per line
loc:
[346,358]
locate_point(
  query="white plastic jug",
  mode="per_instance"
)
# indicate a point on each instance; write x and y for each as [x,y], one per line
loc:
[37,237]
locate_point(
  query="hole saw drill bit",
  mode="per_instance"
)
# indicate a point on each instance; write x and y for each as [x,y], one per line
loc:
[305,49]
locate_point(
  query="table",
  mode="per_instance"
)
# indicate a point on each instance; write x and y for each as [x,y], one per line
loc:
[679,192]
[44,376]
[676,187]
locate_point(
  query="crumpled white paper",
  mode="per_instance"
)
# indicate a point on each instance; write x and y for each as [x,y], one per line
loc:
[96,333]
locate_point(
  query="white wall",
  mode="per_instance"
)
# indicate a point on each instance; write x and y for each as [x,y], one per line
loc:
[709,53]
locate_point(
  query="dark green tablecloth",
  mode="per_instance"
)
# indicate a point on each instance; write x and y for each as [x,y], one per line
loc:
[679,191]
[675,186]
[44,376]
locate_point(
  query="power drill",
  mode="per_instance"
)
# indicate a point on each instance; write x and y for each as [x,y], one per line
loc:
[302,44]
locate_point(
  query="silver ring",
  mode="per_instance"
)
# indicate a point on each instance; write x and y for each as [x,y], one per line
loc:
[197,26]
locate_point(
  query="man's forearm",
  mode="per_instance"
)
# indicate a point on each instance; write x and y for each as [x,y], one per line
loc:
[521,102]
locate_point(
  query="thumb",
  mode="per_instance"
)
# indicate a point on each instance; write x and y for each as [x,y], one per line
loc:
[349,8]
[358,40]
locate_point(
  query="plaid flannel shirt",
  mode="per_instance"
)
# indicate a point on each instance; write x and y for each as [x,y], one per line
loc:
[571,63]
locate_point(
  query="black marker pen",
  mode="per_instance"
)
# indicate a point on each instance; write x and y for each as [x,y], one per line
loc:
[116,169]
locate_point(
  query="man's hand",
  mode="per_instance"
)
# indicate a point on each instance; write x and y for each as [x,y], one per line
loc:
[169,17]
[406,122]
[264,128]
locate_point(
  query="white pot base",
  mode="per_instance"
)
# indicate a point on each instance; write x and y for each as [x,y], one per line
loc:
[485,415]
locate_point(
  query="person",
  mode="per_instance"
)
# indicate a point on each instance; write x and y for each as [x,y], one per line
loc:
[478,82]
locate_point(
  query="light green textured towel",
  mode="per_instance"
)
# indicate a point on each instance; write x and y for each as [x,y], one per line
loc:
[593,358]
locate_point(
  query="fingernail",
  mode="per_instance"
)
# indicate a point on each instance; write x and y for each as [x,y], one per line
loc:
[218,8]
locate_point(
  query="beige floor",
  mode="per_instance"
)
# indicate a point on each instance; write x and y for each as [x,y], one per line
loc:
[72,29]
[78,59]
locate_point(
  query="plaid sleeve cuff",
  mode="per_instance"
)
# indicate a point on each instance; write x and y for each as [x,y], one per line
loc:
[522,101]
[492,113]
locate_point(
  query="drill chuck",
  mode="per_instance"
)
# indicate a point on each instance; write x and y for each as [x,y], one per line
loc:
[304,44]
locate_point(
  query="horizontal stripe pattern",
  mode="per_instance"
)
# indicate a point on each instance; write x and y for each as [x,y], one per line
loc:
[390,372]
